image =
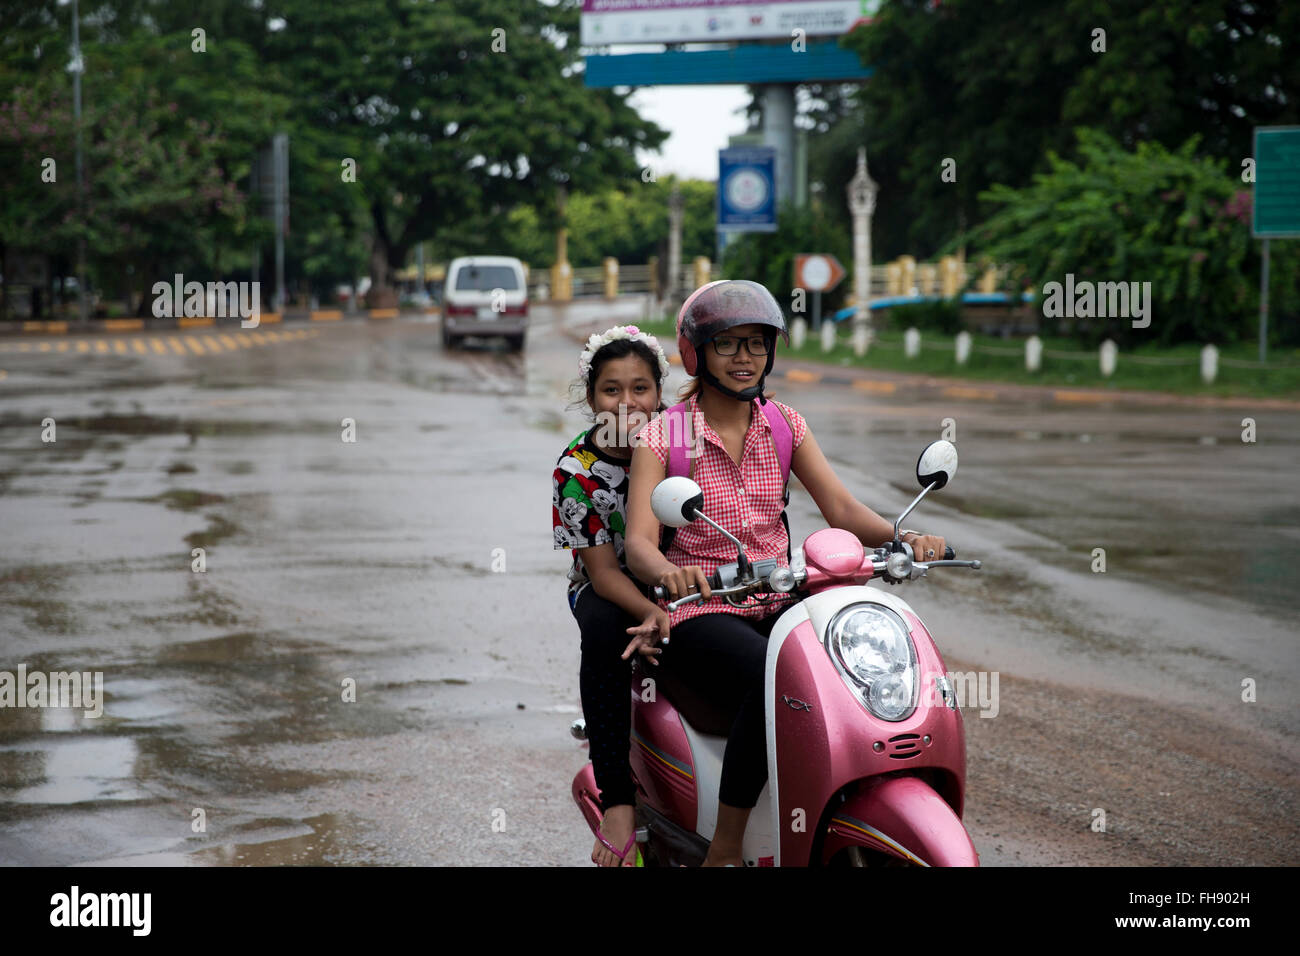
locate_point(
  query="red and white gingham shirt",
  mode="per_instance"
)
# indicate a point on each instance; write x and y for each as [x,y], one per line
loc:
[744,499]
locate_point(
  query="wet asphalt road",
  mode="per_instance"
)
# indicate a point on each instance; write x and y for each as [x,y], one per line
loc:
[415,564]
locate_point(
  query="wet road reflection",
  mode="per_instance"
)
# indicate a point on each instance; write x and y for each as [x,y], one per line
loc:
[375,662]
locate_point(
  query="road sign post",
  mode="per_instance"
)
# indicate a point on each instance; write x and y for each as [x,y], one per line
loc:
[817,273]
[1276,213]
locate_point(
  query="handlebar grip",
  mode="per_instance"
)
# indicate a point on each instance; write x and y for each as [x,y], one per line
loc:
[948,553]
[715,582]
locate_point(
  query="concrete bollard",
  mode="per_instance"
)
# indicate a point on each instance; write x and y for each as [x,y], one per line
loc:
[952,276]
[1209,364]
[894,278]
[962,351]
[703,269]
[828,335]
[911,343]
[861,340]
[798,333]
[988,282]
[1109,351]
[907,277]
[611,277]
[1033,353]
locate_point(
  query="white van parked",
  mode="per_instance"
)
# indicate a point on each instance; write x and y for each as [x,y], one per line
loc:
[485,295]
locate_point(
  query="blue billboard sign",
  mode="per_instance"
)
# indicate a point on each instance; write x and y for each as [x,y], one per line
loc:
[747,189]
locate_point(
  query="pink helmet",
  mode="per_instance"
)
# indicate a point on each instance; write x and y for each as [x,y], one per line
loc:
[721,305]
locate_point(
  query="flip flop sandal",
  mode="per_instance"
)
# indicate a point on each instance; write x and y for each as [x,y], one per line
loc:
[623,856]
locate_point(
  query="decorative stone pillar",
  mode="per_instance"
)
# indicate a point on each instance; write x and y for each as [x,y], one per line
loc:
[862,191]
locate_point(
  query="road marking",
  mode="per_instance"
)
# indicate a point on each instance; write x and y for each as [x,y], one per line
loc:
[44,346]
[62,347]
[228,341]
[1080,397]
[138,345]
[119,347]
[175,344]
[101,345]
[962,391]
[259,338]
[158,346]
[83,345]
[879,388]
[273,336]
[194,345]
[802,375]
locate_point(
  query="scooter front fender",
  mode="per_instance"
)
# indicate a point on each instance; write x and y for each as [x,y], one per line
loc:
[904,817]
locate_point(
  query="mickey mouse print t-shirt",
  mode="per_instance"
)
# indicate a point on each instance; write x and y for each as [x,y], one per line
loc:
[589,503]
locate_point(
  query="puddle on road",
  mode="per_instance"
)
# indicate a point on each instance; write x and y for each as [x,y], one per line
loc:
[186,499]
[316,841]
[85,769]
[33,589]
[217,529]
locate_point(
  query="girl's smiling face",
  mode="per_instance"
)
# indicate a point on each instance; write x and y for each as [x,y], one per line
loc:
[624,398]
[741,370]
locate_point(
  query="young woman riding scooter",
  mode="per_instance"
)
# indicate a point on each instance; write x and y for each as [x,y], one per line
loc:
[726,334]
[621,374]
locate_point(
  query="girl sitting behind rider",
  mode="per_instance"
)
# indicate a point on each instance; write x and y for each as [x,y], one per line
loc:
[726,333]
[621,376]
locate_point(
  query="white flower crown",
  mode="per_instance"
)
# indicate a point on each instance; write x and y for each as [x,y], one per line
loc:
[598,342]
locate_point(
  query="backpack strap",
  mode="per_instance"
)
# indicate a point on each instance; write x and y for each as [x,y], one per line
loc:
[676,428]
[675,424]
[783,442]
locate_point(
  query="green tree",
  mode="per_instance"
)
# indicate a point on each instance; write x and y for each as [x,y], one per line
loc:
[995,85]
[455,112]
[1153,215]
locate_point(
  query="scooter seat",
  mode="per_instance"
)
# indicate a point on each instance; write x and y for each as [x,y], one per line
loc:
[704,713]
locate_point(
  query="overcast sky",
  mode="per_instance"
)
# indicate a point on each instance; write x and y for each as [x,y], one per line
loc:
[700,118]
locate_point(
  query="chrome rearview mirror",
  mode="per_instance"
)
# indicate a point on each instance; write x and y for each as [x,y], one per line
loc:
[937,464]
[676,501]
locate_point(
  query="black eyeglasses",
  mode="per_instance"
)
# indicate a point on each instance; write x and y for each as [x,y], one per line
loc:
[730,344]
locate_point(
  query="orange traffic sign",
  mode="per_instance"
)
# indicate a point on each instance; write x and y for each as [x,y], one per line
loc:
[819,272]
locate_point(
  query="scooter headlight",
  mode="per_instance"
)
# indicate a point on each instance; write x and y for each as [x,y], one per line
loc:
[873,651]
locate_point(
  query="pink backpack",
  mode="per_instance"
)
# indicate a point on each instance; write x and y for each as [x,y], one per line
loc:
[679,463]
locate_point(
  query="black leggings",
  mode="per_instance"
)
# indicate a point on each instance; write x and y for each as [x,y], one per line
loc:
[723,656]
[604,680]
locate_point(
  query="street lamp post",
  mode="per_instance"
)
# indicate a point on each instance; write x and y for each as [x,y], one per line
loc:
[676,212]
[862,191]
[76,67]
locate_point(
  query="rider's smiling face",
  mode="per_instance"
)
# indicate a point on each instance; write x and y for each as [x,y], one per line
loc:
[740,370]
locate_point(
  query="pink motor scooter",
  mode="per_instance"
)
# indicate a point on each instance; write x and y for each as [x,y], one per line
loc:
[865,744]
